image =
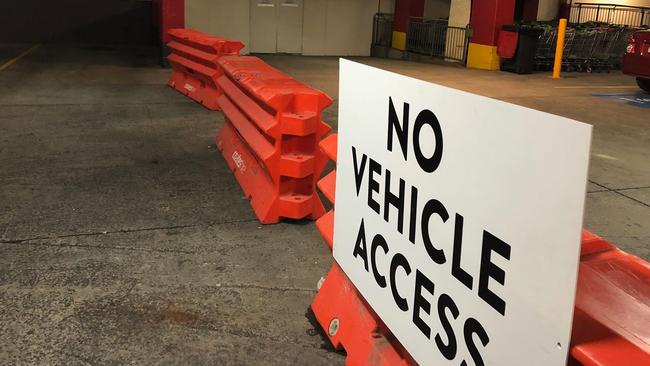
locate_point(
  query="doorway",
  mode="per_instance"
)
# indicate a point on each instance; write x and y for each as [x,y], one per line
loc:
[276,26]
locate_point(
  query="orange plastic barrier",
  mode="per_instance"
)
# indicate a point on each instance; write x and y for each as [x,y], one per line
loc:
[270,138]
[347,319]
[193,59]
[611,326]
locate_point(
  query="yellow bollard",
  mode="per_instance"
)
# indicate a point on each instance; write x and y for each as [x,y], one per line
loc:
[559,48]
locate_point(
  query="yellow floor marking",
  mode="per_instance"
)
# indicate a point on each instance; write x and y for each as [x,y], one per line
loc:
[17,58]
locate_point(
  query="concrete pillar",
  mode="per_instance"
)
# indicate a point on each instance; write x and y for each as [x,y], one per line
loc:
[487,18]
[548,9]
[459,12]
[404,9]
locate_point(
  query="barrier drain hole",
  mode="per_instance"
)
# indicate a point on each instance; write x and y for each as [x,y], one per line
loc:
[334,327]
[559,345]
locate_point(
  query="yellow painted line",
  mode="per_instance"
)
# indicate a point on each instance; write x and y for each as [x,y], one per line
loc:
[597,87]
[17,58]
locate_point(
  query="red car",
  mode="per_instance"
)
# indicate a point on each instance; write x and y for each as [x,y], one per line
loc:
[636,61]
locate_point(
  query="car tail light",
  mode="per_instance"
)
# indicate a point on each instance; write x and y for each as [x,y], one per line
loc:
[631,45]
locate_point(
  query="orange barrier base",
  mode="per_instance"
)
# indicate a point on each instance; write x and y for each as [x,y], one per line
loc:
[351,325]
[347,319]
[198,90]
[611,325]
[258,186]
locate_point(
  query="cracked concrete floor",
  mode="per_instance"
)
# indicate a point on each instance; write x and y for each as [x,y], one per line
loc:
[124,238]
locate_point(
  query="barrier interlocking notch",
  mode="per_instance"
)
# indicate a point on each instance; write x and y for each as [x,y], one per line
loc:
[611,326]
[270,138]
[193,59]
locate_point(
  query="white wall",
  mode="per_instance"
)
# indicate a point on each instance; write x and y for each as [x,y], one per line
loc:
[314,27]
[459,13]
[386,6]
[330,27]
[547,9]
[224,18]
[339,27]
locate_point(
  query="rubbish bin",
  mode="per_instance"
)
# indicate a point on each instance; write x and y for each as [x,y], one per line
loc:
[523,61]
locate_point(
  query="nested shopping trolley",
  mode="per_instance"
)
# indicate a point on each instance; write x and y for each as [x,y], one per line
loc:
[585,49]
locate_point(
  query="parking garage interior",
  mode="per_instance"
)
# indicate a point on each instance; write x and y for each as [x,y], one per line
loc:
[124,238]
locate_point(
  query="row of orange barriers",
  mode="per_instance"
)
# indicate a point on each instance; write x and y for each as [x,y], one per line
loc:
[193,59]
[273,140]
[273,123]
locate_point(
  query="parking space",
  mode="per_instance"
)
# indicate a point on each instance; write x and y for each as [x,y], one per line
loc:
[639,99]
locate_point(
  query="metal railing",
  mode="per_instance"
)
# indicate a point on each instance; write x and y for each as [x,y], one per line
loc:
[382,30]
[435,38]
[635,16]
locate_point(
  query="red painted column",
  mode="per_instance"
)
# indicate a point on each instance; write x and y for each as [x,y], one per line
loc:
[167,14]
[530,10]
[487,18]
[405,9]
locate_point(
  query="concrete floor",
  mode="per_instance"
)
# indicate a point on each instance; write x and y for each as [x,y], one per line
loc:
[125,239]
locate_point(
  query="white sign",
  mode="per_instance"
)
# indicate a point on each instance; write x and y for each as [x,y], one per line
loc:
[459,217]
